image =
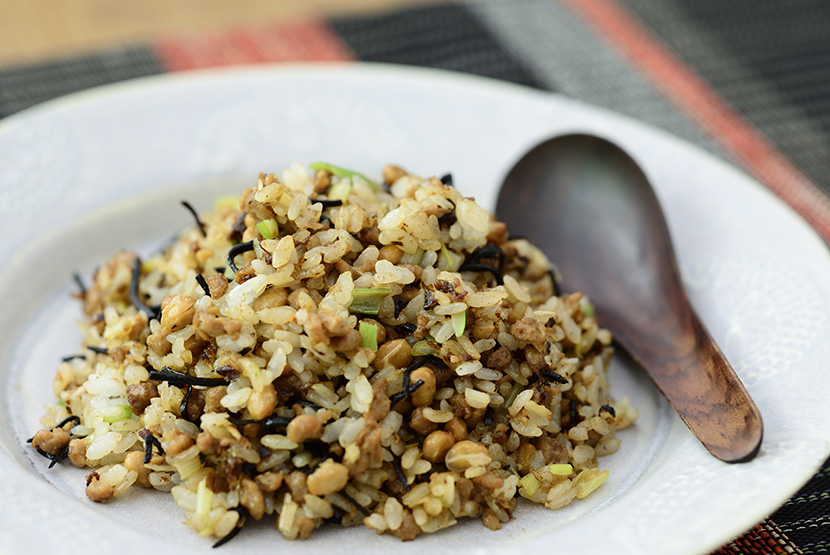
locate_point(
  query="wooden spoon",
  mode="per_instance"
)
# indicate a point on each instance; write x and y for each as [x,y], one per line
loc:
[590,208]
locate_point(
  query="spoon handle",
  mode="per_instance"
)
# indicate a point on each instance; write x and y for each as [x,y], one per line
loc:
[703,389]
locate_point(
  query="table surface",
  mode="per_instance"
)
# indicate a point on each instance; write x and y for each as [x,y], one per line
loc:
[747,80]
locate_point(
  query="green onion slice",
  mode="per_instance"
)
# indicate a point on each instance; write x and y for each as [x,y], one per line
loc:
[367,301]
[459,322]
[423,348]
[449,261]
[530,483]
[414,258]
[588,309]
[204,500]
[588,480]
[231,201]
[250,367]
[343,173]
[560,469]
[268,228]
[517,388]
[123,412]
[369,333]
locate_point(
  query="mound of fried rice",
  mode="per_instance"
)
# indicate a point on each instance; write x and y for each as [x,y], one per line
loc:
[330,349]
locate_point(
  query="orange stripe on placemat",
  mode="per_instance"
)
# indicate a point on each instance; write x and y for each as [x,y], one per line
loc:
[299,41]
[695,97]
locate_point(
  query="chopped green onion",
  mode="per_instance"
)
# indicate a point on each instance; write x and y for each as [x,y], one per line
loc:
[560,469]
[449,261]
[118,413]
[250,367]
[204,500]
[517,388]
[61,402]
[367,301]
[414,258]
[343,173]
[423,348]
[231,201]
[588,309]
[530,483]
[258,252]
[268,228]
[369,333]
[340,191]
[588,480]
[459,322]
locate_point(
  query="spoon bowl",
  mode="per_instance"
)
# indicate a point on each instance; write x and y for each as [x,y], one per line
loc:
[590,208]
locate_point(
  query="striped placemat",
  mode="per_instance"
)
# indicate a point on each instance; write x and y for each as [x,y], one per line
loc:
[748,80]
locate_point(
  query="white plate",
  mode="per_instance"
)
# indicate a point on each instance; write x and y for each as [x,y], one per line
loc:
[84,175]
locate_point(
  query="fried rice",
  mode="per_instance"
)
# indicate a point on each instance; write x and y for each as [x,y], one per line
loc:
[330,349]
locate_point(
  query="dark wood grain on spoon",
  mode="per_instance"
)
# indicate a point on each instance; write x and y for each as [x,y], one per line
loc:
[590,208]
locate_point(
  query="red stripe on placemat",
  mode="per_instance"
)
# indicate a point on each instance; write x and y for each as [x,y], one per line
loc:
[700,102]
[300,41]
[764,539]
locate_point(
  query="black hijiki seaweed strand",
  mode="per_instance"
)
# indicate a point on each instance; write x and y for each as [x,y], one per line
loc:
[200,279]
[363,510]
[337,517]
[133,292]
[481,267]
[573,411]
[446,179]
[489,250]
[428,359]
[233,533]
[609,409]
[400,396]
[70,358]
[309,469]
[557,288]
[309,404]
[407,389]
[195,217]
[267,423]
[235,251]
[406,328]
[399,305]
[399,473]
[76,421]
[327,203]
[80,282]
[552,376]
[60,456]
[166,374]
[183,406]
[150,441]
[98,350]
